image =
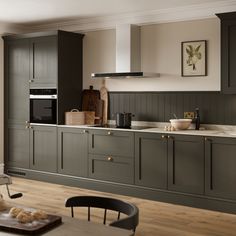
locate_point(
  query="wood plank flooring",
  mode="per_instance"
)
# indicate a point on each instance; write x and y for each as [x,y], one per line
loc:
[156,218]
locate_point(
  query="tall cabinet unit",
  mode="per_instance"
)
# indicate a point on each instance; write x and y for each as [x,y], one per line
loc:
[38,60]
[228,52]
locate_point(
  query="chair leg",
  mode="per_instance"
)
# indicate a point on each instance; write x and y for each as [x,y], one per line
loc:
[72,212]
[88,213]
[105,217]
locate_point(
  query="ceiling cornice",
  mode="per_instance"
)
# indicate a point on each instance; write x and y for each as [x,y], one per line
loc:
[193,12]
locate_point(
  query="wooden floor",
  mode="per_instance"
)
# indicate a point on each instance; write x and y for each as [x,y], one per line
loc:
[156,218]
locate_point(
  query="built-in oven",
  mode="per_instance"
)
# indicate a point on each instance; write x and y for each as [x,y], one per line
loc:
[43,106]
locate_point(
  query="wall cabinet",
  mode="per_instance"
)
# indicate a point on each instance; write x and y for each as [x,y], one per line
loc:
[43,61]
[228,52]
[111,155]
[43,148]
[73,151]
[151,160]
[170,162]
[220,167]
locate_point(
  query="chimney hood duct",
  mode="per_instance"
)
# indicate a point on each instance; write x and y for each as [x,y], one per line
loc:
[128,55]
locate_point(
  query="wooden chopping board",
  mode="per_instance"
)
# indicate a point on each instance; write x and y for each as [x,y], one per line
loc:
[104,97]
[90,98]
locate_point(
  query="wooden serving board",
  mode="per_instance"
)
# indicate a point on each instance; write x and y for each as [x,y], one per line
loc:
[9,224]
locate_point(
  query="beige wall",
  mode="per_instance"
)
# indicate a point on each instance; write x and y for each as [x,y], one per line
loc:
[161,53]
[1,100]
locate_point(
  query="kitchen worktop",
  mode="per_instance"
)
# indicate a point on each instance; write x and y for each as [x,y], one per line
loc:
[158,127]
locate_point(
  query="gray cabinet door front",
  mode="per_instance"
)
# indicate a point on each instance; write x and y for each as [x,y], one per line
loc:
[220,167]
[17,151]
[117,143]
[43,68]
[111,168]
[43,148]
[17,82]
[151,160]
[186,164]
[73,152]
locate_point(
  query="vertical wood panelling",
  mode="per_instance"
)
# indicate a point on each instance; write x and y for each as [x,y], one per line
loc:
[215,108]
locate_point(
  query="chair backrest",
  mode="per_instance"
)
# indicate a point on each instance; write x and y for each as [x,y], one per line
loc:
[130,222]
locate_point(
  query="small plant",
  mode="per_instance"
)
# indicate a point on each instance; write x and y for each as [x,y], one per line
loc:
[193,55]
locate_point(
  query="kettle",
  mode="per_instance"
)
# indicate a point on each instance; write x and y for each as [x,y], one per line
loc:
[123,120]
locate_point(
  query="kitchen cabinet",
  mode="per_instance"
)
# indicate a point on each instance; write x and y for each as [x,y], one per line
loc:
[110,142]
[173,162]
[186,163]
[111,168]
[17,146]
[43,62]
[228,52]
[151,160]
[111,155]
[220,167]
[73,151]
[43,148]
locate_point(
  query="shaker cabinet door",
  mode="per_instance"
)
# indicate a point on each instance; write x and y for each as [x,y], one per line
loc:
[73,151]
[43,148]
[43,63]
[151,160]
[220,167]
[186,164]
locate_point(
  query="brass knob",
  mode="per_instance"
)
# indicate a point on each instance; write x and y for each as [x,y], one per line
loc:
[109,133]
[31,81]
[85,131]
[163,136]
[26,127]
[31,127]
[109,158]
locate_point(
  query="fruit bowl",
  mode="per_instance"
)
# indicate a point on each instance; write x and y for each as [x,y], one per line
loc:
[181,124]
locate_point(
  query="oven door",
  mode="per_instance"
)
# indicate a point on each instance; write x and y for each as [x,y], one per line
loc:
[43,111]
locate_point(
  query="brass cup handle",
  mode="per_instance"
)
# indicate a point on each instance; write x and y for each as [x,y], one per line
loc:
[109,158]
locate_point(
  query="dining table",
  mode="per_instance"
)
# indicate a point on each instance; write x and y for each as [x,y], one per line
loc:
[75,227]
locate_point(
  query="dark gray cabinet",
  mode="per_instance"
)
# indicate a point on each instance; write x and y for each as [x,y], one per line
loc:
[43,61]
[43,148]
[173,162]
[111,168]
[228,52]
[220,167]
[17,146]
[111,155]
[186,163]
[151,160]
[73,151]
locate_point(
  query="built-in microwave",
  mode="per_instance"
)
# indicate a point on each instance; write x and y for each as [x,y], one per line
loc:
[43,106]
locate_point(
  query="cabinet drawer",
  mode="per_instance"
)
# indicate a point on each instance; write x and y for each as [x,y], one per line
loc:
[111,168]
[117,143]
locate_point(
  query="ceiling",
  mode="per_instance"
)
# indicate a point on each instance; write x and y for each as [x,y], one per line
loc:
[41,11]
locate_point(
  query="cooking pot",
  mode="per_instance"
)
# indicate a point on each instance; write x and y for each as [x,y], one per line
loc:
[123,120]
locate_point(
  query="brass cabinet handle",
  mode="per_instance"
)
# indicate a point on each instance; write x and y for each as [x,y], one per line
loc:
[207,139]
[109,158]
[26,127]
[163,136]
[85,131]
[31,81]
[109,133]
[31,127]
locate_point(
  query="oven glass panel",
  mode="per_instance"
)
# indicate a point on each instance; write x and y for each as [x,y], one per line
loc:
[43,111]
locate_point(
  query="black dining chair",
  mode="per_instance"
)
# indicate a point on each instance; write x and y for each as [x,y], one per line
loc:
[129,222]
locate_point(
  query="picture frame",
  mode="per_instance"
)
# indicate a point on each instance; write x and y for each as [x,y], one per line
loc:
[194,58]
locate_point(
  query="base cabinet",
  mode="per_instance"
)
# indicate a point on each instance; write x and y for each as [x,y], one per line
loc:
[151,160]
[186,164]
[220,167]
[18,146]
[111,168]
[43,148]
[73,151]
[170,162]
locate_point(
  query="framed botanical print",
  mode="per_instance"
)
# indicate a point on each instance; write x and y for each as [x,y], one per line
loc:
[194,58]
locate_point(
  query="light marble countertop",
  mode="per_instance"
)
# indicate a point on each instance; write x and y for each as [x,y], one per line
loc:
[158,127]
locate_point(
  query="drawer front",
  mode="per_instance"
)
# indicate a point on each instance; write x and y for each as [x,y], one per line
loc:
[115,143]
[111,168]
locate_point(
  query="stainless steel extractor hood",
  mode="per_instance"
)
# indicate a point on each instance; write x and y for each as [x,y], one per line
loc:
[128,56]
